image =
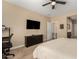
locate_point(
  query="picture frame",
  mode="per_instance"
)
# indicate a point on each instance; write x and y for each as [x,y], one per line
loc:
[61,26]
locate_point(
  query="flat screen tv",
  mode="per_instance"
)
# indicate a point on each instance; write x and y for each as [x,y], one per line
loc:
[31,24]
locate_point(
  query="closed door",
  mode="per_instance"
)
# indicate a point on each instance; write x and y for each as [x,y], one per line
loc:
[49,30]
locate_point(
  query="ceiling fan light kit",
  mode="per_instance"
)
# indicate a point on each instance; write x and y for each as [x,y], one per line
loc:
[53,3]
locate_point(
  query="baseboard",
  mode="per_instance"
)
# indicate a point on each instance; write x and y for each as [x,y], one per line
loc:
[17,47]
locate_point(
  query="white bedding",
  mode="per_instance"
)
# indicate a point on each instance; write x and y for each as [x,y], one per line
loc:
[56,49]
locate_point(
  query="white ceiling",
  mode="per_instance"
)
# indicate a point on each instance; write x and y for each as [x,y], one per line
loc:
[36,6]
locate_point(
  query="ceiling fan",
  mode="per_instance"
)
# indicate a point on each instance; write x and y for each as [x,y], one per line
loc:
[54,2]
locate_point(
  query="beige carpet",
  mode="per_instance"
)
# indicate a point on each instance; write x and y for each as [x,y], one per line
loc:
[23,53]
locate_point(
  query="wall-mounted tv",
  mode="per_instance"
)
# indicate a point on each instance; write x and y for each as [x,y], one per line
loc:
[31,24]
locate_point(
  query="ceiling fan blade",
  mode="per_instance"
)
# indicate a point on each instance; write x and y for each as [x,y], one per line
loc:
[53,6]
[46,4]
[60,2]
[53,0]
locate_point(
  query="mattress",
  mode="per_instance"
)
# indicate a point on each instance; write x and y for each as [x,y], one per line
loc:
[57,49]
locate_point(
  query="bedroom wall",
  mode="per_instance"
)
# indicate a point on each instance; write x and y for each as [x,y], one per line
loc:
[57,20]
[15,18]
[62,19]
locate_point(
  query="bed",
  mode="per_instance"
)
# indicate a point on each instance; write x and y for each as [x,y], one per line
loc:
[57,49]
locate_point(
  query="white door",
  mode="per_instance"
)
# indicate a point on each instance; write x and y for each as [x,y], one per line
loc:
[49,30]
[75,30]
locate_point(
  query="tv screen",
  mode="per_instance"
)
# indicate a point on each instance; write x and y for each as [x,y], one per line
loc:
[33,24]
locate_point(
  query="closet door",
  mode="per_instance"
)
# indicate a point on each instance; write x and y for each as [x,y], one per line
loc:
[49,30]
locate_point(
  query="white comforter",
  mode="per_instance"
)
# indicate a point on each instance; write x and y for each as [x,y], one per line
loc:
[56,49]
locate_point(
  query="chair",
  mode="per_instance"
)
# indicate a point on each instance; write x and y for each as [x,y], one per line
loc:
[6,45]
